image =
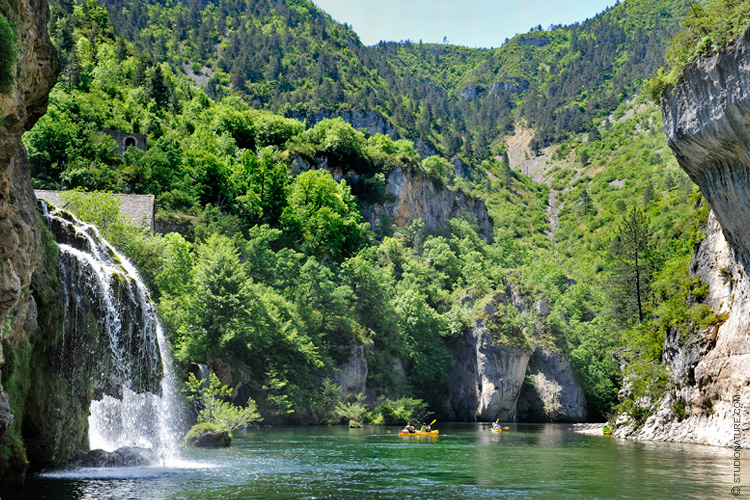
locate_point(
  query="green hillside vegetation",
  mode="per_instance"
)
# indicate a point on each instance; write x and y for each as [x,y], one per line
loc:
[707,31]
[293,59]
[277,276]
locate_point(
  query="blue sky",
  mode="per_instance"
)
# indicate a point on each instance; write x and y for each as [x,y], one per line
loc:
[473,23]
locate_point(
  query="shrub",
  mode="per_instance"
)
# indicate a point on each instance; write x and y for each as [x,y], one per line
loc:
[215,412]
[399,411]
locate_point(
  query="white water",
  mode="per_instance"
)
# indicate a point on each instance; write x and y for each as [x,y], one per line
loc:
[136,419]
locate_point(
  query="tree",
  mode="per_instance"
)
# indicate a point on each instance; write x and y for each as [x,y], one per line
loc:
[158,89]
[507,174]
[323,215]
[583,157]
[633,263]
[594,134]
[585,203]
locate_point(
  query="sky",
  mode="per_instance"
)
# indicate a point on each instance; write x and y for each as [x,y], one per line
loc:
[472,23]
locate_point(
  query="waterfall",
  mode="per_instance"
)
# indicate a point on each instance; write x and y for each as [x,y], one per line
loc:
[111,323]
[203,371]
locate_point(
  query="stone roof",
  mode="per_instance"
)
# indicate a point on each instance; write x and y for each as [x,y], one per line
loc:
[138,207]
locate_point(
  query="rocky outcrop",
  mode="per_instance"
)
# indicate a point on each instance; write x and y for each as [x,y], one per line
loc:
[371,121]
[485,379]
[351,375]
[413,195]
[550,393]
[707,122]
[127,456]
[510,381]
[209,439]
[709,369]
[36,70]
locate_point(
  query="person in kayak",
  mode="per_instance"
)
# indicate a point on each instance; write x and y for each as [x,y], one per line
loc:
[495,426]
[409,428]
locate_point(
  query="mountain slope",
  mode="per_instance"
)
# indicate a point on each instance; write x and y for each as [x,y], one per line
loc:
[292,58]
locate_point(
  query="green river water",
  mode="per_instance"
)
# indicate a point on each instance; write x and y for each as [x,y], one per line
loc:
[465,461]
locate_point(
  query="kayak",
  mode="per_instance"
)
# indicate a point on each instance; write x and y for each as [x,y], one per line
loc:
[496,430]
[419,433]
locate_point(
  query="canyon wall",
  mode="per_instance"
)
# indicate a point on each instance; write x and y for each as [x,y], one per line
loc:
[707,123]
[36,69]
[413,195]
[506,378]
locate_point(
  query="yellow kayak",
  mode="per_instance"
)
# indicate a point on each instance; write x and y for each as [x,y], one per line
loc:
[496,430]
[419,433]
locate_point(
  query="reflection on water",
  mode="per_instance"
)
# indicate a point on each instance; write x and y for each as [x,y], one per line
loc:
[465,461]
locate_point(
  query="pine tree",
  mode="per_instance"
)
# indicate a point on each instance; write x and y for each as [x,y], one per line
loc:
[633,263]
[507,174]
[158,89]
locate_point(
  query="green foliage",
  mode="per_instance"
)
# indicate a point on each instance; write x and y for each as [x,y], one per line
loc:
[213,408]
[322,215]
[324,403]
[508,328]
[400,411]
[354,411]
[706,31]
[8,54]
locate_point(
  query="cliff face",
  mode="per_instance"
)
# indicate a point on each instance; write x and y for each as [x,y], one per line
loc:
[36,71]
[488,381]
[707,122]
[550,393]
[20,109]
[413,195]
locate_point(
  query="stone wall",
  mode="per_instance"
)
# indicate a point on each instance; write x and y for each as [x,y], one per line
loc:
[125,140]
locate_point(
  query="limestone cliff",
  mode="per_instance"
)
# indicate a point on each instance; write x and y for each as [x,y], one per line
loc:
[510,380]
[413,195]
[410,195]
[36,70]
[550,393]
[707,122]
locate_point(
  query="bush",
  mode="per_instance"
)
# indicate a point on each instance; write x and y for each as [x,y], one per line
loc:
[390,412]
[215,412]
[353,411]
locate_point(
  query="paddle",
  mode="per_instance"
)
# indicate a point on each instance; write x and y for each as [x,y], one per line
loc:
[424,427]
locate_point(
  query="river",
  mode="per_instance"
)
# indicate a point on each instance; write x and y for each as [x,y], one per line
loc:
[465,461]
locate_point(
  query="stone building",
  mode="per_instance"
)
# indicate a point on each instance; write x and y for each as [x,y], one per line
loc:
[137,207]
[125,140]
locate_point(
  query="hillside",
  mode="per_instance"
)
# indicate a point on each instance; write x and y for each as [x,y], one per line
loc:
[293,59]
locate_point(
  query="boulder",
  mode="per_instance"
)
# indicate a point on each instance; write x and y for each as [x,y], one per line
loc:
[127,456]
[209,439]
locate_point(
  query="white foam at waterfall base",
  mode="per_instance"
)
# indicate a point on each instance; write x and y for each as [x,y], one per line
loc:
[144,420]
